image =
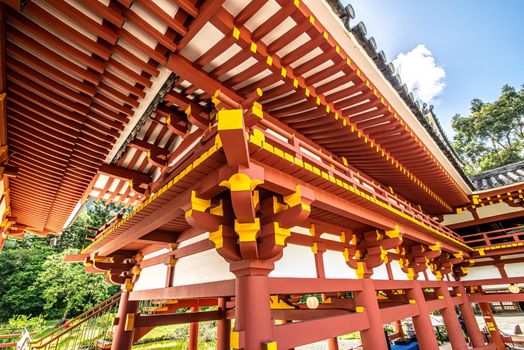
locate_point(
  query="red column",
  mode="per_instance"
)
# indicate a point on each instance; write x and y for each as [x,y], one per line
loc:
[398,328]
[455,335]
[496,338]
[333,343]
[470,321]
[223,328]
[123,336]
[373,337]
[253,310]
[422,323]
[193,332]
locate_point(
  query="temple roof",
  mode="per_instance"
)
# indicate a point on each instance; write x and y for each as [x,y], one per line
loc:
[502,176]
[423,113]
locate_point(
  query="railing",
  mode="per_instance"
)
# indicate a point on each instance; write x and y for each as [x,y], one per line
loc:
[90,330]
[495,237]
[330,164]
[9,340]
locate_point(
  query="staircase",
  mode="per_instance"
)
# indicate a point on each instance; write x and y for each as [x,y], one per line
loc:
[91,330]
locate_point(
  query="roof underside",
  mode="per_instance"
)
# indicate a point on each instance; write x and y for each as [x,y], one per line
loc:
[80,72]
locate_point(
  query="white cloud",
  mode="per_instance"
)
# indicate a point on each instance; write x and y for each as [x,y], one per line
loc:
[420,73]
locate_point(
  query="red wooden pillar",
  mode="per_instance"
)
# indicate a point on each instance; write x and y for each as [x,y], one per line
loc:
[124,329]
[253,324]
[477,340]
[422,323]
[398,328]
[333,343]
[223,328]
[193,332]
[373,337]
[496,338]
[455,335]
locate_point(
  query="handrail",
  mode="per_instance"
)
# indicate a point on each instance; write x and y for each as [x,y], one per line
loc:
[68,326]
[70,329]
[473,238]
[359,181]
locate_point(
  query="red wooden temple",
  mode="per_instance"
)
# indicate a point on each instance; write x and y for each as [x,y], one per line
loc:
[267,154]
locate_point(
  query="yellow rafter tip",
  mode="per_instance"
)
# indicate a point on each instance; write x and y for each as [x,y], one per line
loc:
[236,33]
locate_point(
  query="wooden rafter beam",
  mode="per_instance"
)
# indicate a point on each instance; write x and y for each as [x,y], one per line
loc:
[179,318]
[137,177]
[159,236]
[16,4]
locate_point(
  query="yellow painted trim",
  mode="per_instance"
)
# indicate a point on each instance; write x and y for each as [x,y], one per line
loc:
[212,150]
[307,166]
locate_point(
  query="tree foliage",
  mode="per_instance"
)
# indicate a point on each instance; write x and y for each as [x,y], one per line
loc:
[35,279]
[492,135]
[67,289]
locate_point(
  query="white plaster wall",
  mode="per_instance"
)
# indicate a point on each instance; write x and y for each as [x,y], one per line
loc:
[431,276]
[335,265]
[156,253]
[497,209]
[380,273]
[514,270]
[297,261]
[456,218]
[207,266]
[152,277]
[504,257]
[481,272]
[398,274]
[195,239]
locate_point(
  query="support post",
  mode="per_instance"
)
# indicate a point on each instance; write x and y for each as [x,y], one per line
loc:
[470,321]
[422,322]
[123,336]
[252,298]
[398,328]
[496,338]
[193,332]
[453,328]
[223,328]
[333,343]
[373,337]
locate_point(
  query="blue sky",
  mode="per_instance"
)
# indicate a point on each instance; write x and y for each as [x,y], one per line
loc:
[479,44]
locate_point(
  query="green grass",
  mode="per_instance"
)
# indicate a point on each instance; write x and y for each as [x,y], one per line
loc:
[176,337]
[172,344]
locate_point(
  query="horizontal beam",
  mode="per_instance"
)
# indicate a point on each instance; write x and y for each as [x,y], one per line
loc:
[291,335]
[204,290]
[125,174]
[493,281]
[400,312]
[497,297]
[312,285]
[306,314]
[169,319]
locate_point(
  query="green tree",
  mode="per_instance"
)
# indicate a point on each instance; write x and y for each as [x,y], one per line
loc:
[19,268]
[35,279]
[492,135]
[92,215]
[67,289]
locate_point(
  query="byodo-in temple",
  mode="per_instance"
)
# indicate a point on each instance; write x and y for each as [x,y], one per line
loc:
[276,175]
